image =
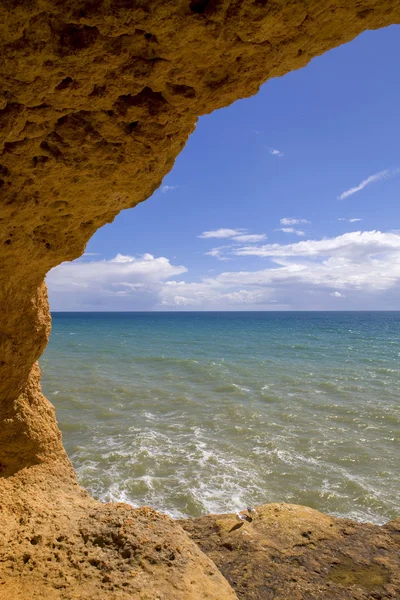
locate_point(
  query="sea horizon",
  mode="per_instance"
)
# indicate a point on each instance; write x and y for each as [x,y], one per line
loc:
[224,311]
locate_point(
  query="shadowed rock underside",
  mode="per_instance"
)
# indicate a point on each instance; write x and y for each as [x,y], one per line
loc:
[97,98]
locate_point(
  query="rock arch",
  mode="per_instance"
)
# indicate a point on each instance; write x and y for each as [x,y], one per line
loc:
[97,98]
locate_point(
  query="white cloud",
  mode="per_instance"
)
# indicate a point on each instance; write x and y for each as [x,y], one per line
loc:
[221,233]
[250,237]
[366,261]
[386,174]
[237,235]
[88,282]
[349,220]
[276,152]
[362,269]
[218,253]
[362,241]
[215,252]
[209,293]
[293,221]
[168,188]
[298,232]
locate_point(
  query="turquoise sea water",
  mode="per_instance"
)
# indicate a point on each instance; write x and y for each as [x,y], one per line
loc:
[212,412]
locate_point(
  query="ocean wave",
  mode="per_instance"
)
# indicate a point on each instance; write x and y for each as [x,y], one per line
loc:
[307,414]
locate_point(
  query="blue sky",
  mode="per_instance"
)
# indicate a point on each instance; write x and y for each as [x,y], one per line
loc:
[309,169]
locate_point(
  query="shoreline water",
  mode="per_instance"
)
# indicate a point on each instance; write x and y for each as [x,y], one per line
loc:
[198,413]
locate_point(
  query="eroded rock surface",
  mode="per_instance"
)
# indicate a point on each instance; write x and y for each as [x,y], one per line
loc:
[282,551]
[58,543]
[97,98]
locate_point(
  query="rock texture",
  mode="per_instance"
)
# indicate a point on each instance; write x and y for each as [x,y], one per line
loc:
[63,545]
[58,543]
[282,551]
[97,98]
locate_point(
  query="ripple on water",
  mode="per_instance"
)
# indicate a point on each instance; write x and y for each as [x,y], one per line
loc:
[295,408]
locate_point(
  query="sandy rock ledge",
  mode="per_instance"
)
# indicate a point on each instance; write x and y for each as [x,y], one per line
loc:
[57,543]
[288,552]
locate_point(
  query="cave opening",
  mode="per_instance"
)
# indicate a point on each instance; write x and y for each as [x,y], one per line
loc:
[138,440]
[98,100]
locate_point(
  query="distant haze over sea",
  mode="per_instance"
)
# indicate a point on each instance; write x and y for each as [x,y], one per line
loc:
[195,413]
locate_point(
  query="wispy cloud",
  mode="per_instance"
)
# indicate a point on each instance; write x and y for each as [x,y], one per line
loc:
[168,188]
[250,237]
[215,252]
[218,253]
[349,220]
[298,232]
[386,174]
[293,221]
[221,233]
[237,235]
[366,242]
[337,295]
[276,152]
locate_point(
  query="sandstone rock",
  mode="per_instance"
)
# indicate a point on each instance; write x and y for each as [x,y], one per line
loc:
[295,552]
[97,98]
[58,543]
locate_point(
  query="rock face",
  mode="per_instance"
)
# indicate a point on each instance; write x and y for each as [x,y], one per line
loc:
[97,98]
[282,551]
[58,543]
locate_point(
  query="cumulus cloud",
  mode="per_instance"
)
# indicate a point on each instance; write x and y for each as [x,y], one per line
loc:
[358,268]
[386,174]
[355,270]
[293,221]
[360,261]
[91,282]
[275,152]
[122,267]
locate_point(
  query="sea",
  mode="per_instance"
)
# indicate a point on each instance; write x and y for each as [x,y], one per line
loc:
[212,412]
